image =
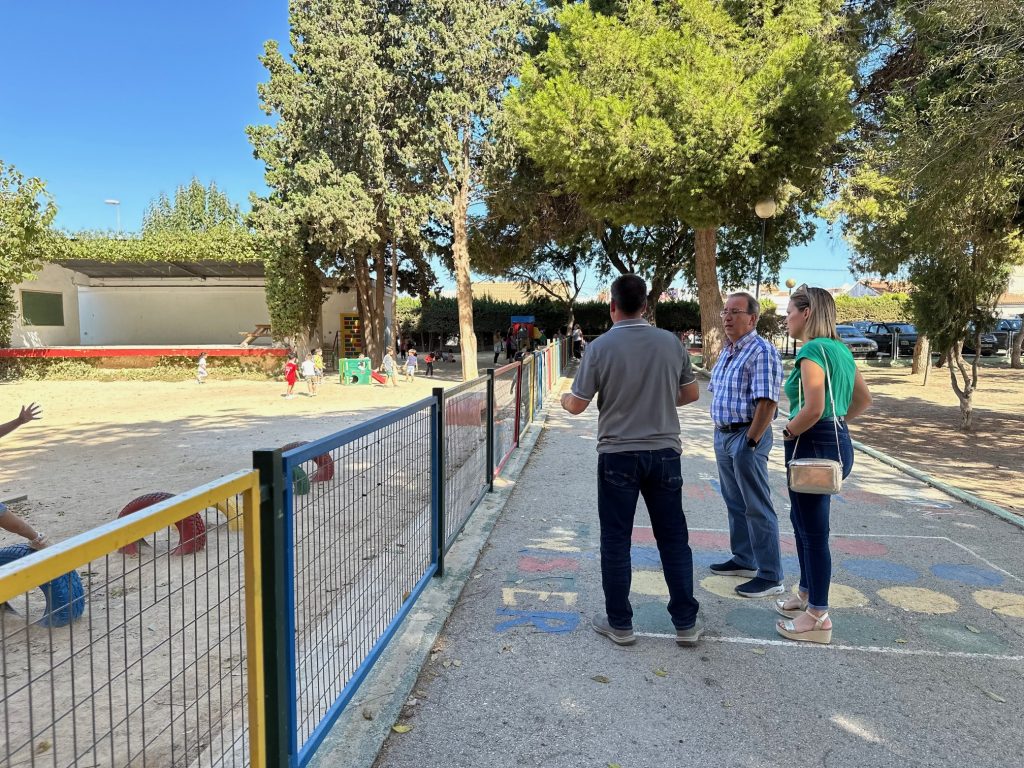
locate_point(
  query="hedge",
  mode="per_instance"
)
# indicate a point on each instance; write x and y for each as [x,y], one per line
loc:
[441,316]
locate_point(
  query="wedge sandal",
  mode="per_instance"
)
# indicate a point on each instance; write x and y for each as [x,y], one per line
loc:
[816,635]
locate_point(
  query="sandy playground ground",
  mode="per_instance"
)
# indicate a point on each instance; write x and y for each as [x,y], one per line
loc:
[99,445]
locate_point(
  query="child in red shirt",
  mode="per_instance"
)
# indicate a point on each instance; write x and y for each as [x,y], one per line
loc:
[429,360]
[291,375]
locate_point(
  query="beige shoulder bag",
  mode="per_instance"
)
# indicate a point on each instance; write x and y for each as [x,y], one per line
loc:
[819,476]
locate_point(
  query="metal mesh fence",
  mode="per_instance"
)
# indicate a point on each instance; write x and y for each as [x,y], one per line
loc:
[465,453]
[114,659]
[360,529]
[506,401]
[526,384]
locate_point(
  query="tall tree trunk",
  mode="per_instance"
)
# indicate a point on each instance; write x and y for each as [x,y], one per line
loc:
[922,355]
[460,255]
[964,386]
[370,302]
[653,296]
[393,341]
[709,294]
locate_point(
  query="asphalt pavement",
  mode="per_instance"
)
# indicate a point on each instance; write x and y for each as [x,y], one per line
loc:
[926,666]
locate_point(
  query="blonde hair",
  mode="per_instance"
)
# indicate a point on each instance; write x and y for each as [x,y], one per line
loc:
[822,320]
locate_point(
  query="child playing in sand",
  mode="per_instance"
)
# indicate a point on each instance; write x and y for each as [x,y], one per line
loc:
[291,374]
[8,520]
[309,374]
[318,364]
[410,365]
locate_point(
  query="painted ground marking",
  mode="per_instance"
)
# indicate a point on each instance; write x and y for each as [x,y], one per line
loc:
[549,622]
[970,575]
[815,647]
[1003,603]
[919,600]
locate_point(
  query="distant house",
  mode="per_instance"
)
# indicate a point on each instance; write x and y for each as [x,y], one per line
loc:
[875,288]
[1011,303]
[79,302]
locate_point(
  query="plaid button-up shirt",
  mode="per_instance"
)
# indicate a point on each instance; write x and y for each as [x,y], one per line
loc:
[748,370]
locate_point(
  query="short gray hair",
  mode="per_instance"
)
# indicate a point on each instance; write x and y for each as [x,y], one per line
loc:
[753,305]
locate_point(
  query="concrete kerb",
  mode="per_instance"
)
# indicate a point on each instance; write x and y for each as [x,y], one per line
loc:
[360,732]
[924,477]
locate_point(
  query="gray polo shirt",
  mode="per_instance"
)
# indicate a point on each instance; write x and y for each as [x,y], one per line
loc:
[636,371]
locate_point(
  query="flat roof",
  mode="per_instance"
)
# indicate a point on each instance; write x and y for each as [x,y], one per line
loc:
[150,269]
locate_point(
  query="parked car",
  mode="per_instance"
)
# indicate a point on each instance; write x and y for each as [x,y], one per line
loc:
[857,342]
[987,343]
[860,325]
[882,334]
[1002,330]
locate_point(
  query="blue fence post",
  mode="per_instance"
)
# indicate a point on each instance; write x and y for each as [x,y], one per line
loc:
[278,729]
[490,430]
[437,478]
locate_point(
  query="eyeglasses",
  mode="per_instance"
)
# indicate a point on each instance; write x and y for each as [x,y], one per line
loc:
[733,312]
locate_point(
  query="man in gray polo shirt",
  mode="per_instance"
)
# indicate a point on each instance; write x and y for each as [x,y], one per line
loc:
[640,375]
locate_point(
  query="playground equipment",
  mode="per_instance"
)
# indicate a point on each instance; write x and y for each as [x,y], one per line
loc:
[355,370]
[324,464]
[191,530]
[65,597]
[232,514]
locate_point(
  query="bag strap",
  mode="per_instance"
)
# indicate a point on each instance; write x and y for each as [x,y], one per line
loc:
[832,399]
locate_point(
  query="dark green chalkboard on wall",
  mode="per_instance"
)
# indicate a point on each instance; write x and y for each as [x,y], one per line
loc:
[39,308]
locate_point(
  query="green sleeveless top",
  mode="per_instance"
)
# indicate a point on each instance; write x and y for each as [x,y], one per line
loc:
[840,366]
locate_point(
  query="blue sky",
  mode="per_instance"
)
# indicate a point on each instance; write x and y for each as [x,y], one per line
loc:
[124,100]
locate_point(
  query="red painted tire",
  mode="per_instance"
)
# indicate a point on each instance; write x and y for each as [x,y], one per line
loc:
[324,464]
[191,530]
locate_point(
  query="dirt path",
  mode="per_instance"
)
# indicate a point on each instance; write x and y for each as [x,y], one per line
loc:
[920,425]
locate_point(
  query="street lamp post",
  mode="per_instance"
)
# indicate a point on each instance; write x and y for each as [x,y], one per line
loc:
[764,208]
[117,209]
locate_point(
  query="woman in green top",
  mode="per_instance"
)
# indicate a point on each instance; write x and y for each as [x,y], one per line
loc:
[825,390]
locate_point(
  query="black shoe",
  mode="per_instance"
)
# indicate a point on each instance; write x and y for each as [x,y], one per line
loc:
[732,568]
[760,588]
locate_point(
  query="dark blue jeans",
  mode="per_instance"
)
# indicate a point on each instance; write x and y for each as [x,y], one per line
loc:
[809,512]
[621,478]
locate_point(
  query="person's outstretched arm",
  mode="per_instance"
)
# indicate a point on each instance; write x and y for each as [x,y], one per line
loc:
[28,413]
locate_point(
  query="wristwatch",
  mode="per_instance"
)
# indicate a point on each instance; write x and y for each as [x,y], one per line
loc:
[787,434]
[751,442]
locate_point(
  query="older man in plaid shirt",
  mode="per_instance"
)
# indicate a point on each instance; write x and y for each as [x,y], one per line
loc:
[745,386]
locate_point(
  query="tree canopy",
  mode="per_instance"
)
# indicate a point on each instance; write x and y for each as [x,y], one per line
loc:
[688,110]
[26,212]
[936,179]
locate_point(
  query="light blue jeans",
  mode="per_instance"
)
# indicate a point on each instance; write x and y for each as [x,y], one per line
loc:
[753,524]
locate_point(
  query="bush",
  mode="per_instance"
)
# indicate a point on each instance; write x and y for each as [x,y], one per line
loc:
[887,308]
[441,316]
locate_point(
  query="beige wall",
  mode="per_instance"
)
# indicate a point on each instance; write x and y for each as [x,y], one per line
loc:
[204,312]
[345,302]
[50,279]
[138,311]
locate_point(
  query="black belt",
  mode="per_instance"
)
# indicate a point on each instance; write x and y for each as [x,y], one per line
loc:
[734,427]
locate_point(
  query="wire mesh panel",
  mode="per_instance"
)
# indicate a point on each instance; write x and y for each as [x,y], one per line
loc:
[525,393]
[465,450]
[506,398]
[539,382]
[143,655]
[359,524]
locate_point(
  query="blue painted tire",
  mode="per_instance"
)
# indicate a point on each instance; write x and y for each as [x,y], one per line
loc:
[65,597]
